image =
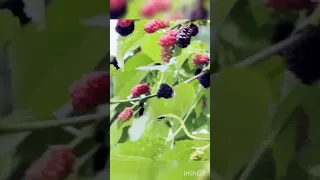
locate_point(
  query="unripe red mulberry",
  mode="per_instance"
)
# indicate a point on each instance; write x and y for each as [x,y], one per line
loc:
[56,165]
[126,114]
[140,89]
[125,22]
[166,53]
[93,89]
[154,25]
[169,39]
[201,59]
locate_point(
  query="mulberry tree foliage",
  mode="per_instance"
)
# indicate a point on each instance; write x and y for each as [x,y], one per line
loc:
[160,100]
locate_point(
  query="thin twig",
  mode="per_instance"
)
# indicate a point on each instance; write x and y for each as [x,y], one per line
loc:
[30,126]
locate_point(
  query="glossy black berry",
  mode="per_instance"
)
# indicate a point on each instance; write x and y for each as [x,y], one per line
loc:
[205,79]
[125,31]
[282,31]
[184,37]
[165,91]
[195,29]
[303,56]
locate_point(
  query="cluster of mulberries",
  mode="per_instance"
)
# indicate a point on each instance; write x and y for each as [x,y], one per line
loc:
[124,27]
[154,7]
[92,90]
[169,39]
[184,35]
[118,8]
[154,25]
[57,165]
[302,56]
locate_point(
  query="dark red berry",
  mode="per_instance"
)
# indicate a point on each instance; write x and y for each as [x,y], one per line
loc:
[204,80]
[140,89]
[195,29]
[165,91]
[184,37]
[154,25]
[169,39]
[125,27]
[93,89]
[57,165]
[118,8]
[126,114]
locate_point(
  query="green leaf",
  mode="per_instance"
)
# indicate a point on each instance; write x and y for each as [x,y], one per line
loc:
[178,105]
[240,116]
[183,149]
[148,148]
[9,25]
[221,9]
[122,84]
[129,43]
[284,149]
[259,11]
[152,48]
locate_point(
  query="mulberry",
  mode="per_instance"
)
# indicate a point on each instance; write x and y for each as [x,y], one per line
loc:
[303,57]
[195,29]
[169,39]
[118,8]
[165,91]
[125,27]
[154,25]
[57,165]
[140,89]
[162,5]
[126,114]
[282,31]
[184,37]
[201,59]
[205,79]
[93,89]
[166,53]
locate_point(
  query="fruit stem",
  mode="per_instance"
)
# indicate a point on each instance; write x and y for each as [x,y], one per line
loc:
[184,127]
[30,126]
[133,99]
